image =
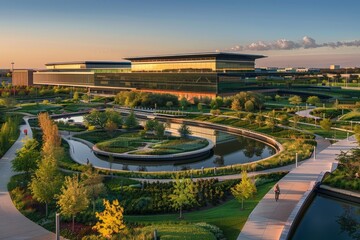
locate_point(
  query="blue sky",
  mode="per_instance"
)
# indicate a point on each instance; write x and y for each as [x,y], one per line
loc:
[36,32]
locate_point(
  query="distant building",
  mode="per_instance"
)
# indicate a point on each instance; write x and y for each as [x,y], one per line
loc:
[4,76]
[22,77]
[334,67]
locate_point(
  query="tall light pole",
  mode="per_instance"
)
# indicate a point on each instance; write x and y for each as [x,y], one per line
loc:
[12,66]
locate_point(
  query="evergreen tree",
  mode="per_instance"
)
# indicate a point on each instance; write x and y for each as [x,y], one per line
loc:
[184,131]
[73,198]
[131,121]
[159,130]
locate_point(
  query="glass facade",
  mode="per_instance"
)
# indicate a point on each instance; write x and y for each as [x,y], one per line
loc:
[205,73]
[64,78]
[184,82]
[199,65]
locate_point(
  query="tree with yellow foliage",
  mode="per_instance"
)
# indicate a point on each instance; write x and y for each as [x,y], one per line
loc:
[243,190]
[111,220]
[51,137]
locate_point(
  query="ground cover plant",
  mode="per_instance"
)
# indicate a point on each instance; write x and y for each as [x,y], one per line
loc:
[347,174]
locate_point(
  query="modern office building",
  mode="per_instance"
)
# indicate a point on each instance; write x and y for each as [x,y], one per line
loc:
[187,75]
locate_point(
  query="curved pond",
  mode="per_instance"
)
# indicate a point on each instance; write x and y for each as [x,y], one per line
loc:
[329,218]
[229,150]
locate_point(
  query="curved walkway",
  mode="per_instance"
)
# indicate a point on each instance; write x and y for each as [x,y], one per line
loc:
[268,218]
[14,225]
[306,113]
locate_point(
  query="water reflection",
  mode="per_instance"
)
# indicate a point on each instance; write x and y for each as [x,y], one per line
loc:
[349,221]
[329,218]
[229,150]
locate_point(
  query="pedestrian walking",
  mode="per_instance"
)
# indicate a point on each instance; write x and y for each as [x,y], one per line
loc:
[277,192]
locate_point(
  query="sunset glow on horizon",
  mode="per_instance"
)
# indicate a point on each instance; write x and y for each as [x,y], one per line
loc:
[37,32]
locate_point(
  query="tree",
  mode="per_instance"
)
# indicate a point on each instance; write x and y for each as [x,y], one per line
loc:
[110,126]
[76,97]
[85,97]
[357,133]
[113,116]
[284,119]
[96,118]
[184,131]
[295,120]
[325,124]
[295,100]
[131,121]
[150,125]
[183,194]
[270,123]
[183,102]
[249,117]
[243,190]
[259,120]
[313,100]
[277,97]
[93,183]
[235,105]
[249,106]
[73,198]
[216,102]
[159,130]
[51,138]
[26,157]
[46,181]
[8,102]
[200,107]
[111,220]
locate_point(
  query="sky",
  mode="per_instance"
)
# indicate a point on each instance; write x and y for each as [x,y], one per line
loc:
[291,33]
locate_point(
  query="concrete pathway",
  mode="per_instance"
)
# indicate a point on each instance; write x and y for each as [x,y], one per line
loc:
[268,218]
[306,113]
[13,225]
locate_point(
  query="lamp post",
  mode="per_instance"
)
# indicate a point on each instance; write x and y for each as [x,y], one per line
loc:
[57,222]
[12,66]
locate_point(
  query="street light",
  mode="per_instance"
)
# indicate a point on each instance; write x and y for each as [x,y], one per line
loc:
[12,66]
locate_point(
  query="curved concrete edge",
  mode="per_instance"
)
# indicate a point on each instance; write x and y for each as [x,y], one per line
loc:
[167,157]
[236,130]
[299,208]
[341,191]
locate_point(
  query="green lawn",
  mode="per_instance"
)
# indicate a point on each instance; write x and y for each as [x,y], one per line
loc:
[98,136]
[228,217]
[35,108]
[180,231]
[324,133]
[352,116]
